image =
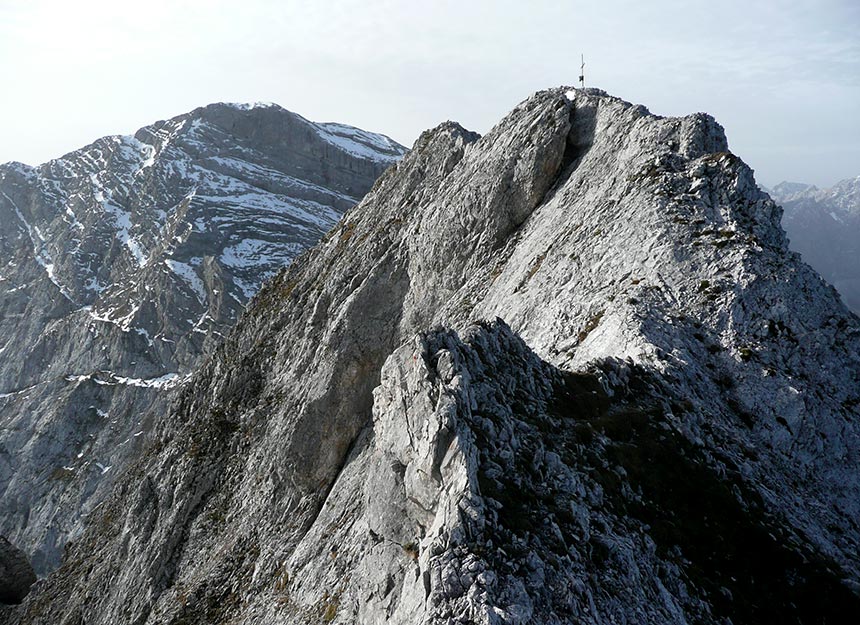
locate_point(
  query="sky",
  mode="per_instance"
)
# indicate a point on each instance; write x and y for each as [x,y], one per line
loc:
[783,77]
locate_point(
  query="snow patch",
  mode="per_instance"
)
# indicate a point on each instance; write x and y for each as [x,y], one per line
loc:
[249,289]
[145,335]
[122,219]
[247,106]
[39,252]
[266,173]
[168,380]
[359,143]
[94,285]
[197,326]
[189,276]
[108,378]
[246,253]
[124,322]
[74,223]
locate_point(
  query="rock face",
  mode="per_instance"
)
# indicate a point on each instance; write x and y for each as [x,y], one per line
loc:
[663,429]
[123,263]
[824,226]
[16,574]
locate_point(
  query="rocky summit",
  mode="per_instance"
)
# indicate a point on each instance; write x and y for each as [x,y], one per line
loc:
[123,263]
[824,226]
[567,372]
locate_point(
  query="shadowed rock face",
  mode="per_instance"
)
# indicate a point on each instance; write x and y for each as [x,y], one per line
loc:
[663,429]
[123,263]
[824,227]
[16,574]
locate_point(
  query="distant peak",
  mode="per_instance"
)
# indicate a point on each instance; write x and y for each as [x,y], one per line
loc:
[786,189]
[22,168]
[792,186]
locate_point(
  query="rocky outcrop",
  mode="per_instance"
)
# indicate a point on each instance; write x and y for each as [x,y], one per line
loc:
[663,429]
[824,226]
[127,260]
[16,574]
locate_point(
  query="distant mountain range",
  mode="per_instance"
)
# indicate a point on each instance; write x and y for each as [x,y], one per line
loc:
[824,226]
[123,263]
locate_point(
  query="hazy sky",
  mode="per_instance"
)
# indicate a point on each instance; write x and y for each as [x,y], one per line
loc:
[782,77]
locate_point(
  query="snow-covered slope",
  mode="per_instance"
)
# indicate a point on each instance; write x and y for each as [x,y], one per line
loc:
[824,226]
[122,263]
[568,372]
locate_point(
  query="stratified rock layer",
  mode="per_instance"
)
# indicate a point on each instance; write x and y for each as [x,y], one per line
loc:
[123,263]
[663,429]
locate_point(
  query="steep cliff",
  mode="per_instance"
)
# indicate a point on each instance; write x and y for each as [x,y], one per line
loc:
[123,263]
[663,429]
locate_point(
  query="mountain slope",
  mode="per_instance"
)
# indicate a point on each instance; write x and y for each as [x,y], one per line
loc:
[123,263]
[824,226]
[663,430]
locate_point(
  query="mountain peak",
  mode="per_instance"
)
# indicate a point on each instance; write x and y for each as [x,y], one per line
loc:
[127,261]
